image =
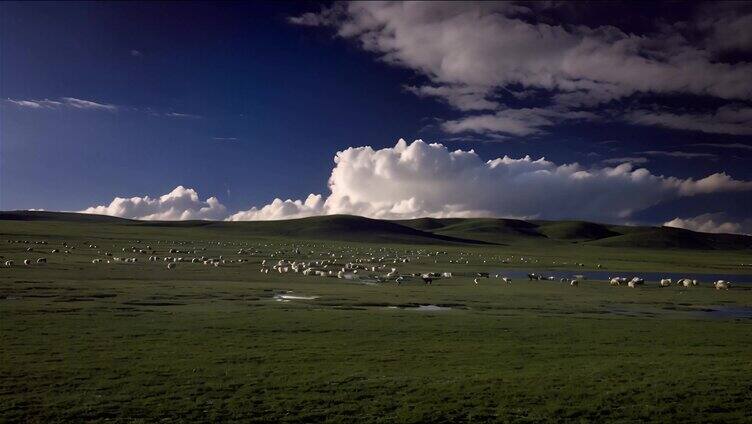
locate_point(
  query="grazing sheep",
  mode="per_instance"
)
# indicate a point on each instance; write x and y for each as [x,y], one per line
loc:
[171,265]
[8,263]
[722,285]
[96,261]
[634,282]
[476,281]
[506,280]
[665,282]
[574,283]
[27,262]
[42,260]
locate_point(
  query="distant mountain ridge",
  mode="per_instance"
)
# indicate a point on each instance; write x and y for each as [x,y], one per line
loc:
[430,230]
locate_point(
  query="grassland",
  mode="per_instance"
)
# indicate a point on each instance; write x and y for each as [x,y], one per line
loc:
[138,342]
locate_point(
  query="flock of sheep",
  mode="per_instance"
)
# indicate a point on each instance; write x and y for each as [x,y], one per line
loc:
[375,264]
[666,282]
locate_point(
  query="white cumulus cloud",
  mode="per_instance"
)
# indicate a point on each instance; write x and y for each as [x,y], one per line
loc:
[712,223]
[179,204]
[421,179]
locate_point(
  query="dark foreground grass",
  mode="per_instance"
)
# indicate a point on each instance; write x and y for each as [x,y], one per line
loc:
[124,343]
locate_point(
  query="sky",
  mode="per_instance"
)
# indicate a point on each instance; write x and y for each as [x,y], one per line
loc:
[612,112]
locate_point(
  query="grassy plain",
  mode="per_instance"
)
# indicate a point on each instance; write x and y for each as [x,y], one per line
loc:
[138,342]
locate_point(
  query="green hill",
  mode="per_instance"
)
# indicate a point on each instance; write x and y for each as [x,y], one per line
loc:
[575,230]
[675,238]
[59,216]
[492,230]
[414,231]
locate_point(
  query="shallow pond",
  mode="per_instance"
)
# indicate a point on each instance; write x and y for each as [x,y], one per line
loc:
[703,279]
[728,312]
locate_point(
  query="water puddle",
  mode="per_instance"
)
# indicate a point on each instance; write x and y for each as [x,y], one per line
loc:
[603,275]
[286,297]
[728,312]
[421,308]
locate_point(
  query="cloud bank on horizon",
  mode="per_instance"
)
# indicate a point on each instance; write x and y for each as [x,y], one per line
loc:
[421,179]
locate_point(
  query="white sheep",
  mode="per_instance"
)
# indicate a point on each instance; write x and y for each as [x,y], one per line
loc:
[665,282]
[722,285]
[633,283]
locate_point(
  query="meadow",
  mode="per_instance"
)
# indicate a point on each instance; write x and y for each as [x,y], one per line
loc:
[125,342]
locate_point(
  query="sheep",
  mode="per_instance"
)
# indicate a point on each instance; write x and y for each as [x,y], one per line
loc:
[722,285]
[55,251]
[27,262]
[42,260]
[171,265]
[476,281]
[574,283]
[446,274]
[686,282]
[665,282]
[96,261]
[506,280]
[8,263]
[634,282]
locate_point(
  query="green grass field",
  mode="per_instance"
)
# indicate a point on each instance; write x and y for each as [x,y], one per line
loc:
[121,342]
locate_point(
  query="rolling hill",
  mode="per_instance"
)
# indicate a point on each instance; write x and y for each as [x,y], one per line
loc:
[424,230]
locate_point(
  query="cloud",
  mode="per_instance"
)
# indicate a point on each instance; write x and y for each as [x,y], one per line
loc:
[680,154]
[68,102]
[180,204]
[519,122]
[730,119]
[80,104]
[283,209]
[712,223]
[633,160]
[136,53]
[470,51]
[88,104]
[227,139]
[724,145]
[727,25]
[181,115]
[461,97]
[420,179]
[35,104]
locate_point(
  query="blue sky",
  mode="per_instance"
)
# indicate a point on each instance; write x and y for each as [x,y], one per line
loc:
[251,102]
